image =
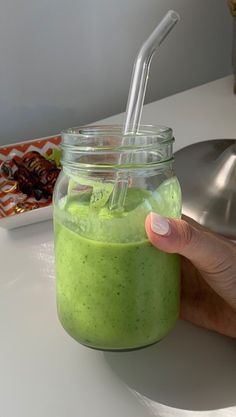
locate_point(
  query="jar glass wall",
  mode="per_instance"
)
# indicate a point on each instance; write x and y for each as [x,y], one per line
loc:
[115,291]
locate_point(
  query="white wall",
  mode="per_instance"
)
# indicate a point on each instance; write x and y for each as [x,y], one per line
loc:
[67,62]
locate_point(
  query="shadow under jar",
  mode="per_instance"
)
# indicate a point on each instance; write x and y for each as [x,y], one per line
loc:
[115,291]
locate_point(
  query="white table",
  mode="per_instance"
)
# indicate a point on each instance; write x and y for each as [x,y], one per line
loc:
[45,373]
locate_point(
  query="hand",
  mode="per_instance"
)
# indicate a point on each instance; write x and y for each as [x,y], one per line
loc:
[208,273]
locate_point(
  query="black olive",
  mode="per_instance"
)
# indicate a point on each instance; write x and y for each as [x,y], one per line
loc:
[38,194]
[6,170]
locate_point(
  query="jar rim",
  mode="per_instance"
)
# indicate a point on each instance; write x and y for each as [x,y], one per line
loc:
[162,134]
[106,147]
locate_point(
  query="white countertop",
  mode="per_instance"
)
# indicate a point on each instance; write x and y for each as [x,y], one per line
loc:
[201,113]
[45,373]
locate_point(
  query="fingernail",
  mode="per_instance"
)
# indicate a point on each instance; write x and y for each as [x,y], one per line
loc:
[159,224]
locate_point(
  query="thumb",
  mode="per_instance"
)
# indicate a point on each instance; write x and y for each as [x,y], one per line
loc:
[211,254]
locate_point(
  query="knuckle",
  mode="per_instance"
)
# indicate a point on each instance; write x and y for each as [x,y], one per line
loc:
[187,236]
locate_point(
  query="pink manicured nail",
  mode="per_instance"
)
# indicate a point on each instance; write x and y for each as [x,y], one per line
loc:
[159,224]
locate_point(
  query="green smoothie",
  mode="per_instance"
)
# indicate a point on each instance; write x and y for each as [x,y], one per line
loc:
[114,289]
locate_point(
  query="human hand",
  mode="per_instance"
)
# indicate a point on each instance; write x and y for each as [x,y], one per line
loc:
[208,271]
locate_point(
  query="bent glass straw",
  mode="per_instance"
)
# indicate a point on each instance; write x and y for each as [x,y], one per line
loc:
[137,94]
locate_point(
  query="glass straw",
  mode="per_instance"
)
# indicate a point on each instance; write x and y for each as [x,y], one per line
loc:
[136,97]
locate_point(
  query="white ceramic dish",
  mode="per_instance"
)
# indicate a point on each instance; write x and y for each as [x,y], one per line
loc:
[10,217]
[26,218]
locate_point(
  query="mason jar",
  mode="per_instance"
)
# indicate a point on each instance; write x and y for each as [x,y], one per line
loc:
[115,291]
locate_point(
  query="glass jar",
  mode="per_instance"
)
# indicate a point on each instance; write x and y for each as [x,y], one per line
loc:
[115,291]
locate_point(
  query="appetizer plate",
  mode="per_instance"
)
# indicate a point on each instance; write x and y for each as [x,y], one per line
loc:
[28,171]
